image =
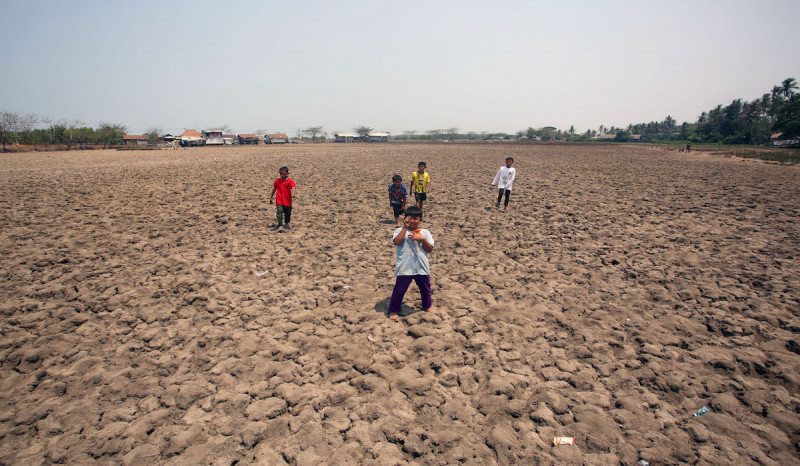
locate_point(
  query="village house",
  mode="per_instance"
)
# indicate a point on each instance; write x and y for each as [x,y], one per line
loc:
[277,138]
[377,137]
[345,137]
[135,140]
[213,137]
[248,139]
[191,137]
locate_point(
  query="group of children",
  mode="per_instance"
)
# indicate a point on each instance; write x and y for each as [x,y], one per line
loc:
[412,242]
[420,184]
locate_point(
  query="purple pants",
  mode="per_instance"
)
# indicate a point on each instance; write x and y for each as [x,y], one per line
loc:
[401,286]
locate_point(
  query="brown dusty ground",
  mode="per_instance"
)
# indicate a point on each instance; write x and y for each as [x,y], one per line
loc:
[149,316]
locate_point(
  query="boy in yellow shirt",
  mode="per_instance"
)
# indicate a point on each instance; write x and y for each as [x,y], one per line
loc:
[420,183]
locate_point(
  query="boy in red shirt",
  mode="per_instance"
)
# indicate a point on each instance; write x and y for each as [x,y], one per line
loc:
[284,187]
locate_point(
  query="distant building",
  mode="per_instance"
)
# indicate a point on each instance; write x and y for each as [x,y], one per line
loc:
[777,139]
[605,137]
[377,137]
[135,140]
[191,137]
[248,139]
[213,137]
[277,138]
[346,137]
[229,139]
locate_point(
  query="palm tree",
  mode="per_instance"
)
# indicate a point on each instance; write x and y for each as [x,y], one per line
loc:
[749,111]
[788,86]
[765,103]
[776,93]
[669,124]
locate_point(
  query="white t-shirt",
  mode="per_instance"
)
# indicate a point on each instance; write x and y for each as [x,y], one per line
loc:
[412,258]
[505,177]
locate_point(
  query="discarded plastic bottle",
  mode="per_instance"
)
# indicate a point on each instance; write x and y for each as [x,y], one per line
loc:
[702,411]
[563,441]
[643,463]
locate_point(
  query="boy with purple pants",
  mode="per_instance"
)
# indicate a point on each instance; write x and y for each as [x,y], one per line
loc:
[413,245]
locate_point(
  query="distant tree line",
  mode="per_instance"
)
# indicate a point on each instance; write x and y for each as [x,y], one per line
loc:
[64,134]
[449,134]
[312,133]
[740,122]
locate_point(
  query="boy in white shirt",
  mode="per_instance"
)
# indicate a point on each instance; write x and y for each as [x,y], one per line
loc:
[504,179]
[413,245]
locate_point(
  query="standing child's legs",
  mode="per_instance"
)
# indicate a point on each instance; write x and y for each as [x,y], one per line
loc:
[508,195]
[398,211]
[499,196]
[400,287]
[279,214]
[424,284]
[283,212]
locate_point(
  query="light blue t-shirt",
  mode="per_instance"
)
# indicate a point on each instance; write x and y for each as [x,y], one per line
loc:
[412,259]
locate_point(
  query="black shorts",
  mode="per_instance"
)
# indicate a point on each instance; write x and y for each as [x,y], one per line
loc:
[421,196]
[398,210]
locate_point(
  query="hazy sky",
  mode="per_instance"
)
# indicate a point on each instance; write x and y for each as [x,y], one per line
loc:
[277,66]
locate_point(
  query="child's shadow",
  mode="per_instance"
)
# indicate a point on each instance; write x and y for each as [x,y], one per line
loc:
[382,307]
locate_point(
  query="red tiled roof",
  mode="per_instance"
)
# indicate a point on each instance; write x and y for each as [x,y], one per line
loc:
[190,133]
[134,137]
[248,136]
[278,136]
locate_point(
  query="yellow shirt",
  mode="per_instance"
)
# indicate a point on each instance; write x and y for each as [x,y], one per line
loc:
[420,182]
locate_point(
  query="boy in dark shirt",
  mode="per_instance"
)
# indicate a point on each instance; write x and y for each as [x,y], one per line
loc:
[397,198]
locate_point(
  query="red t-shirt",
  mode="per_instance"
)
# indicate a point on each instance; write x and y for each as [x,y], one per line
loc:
[283,191]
